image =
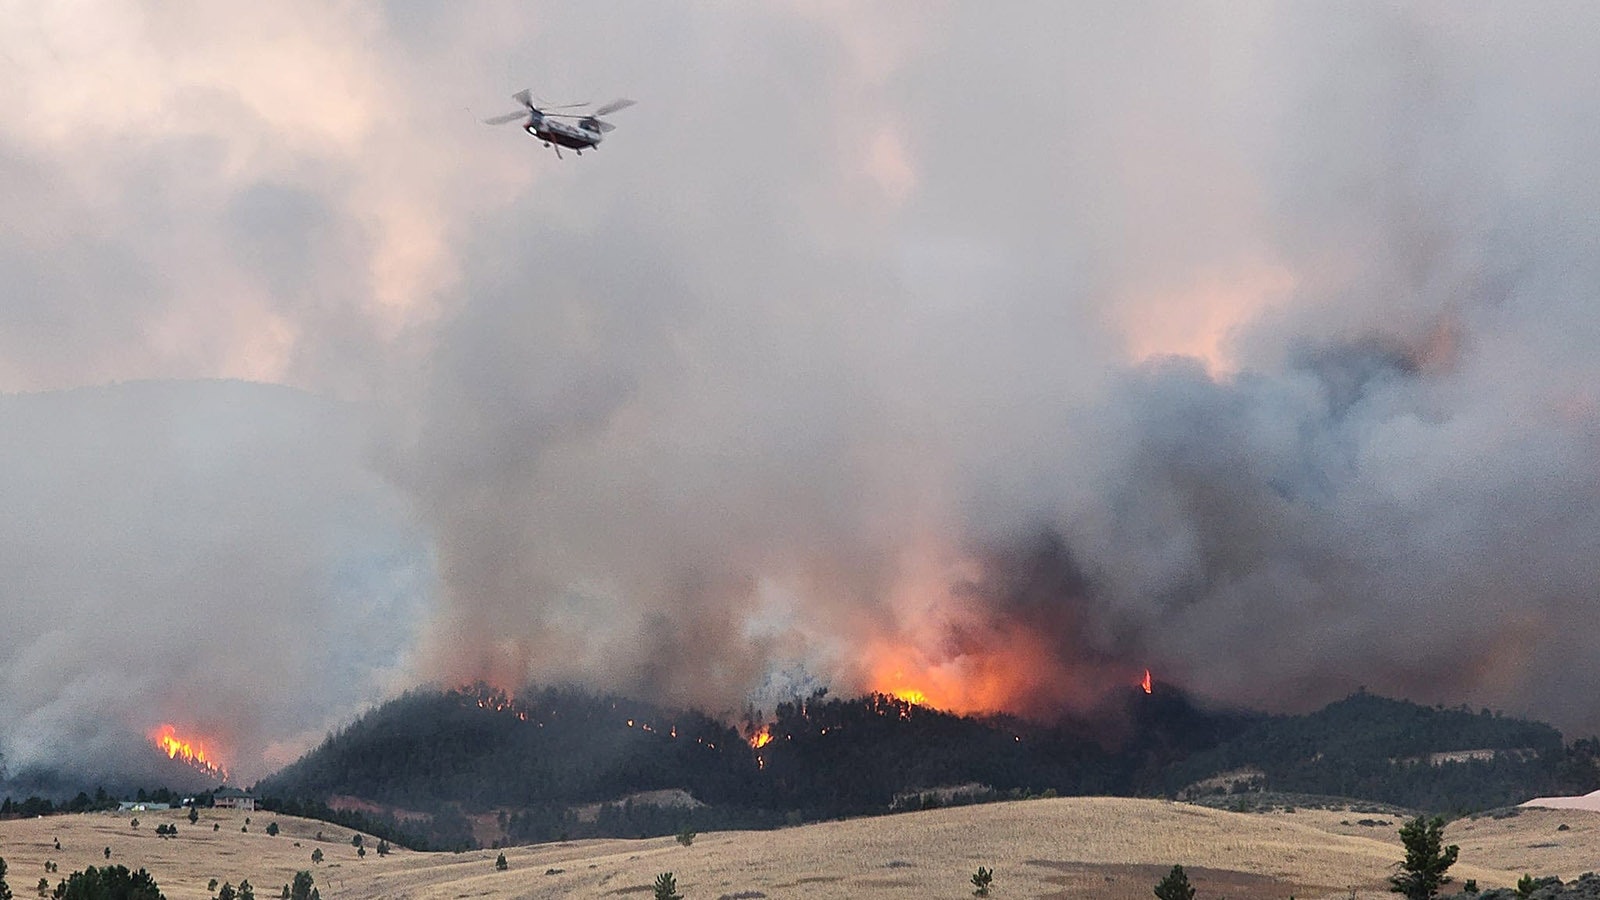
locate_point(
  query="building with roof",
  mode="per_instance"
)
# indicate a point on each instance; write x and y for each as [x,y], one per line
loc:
[233,798]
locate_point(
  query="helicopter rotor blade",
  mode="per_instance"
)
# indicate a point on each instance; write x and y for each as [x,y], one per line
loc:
[613,106]
[525,97]
[508,117]
[605,127]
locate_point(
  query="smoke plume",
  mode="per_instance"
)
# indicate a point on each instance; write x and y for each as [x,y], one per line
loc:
[1360,457]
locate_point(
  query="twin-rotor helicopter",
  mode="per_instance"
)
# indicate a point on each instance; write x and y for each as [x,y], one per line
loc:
[584,132]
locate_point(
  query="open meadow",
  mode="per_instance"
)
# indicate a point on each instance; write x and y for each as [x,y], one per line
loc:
[1070,847]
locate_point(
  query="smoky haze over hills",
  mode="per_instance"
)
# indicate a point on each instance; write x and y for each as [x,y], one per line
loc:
[993,357]
[191,554]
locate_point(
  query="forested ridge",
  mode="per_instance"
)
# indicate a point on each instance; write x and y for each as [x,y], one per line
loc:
[1376,748]
[535,760]
[535,757]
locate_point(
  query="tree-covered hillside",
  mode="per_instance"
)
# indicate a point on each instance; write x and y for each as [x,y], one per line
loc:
[480,749]
[540,755]
[1375,748]
[560,762]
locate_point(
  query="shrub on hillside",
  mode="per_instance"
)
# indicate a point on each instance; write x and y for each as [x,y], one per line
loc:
[981,880]
[667,887]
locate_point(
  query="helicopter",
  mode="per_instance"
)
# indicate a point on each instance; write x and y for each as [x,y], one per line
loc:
[550,127]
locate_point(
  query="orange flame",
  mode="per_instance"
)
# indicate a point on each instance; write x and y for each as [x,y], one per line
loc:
[910,695]
[1019,666]
[192,751]
[761,738]
[1145,682]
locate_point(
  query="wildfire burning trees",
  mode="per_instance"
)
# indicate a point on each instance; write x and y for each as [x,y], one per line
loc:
[761,738]
[494,700]
[194,752]
[540,713]
[911,696]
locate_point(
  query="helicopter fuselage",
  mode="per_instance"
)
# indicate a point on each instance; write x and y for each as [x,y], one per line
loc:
[572,136]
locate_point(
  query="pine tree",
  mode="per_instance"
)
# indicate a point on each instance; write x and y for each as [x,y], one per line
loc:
[1175,886]
[1422,872]
[5,892]
[108,881]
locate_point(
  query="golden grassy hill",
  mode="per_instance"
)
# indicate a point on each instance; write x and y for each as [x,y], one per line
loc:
[1071,847]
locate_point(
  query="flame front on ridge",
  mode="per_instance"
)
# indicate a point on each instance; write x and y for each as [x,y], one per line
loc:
[191,750]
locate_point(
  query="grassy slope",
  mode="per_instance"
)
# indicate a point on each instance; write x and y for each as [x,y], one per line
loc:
[1102,847]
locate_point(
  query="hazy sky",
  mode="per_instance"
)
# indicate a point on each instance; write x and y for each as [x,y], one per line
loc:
[993,351]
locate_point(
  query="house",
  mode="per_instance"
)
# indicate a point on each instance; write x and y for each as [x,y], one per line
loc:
[233,798]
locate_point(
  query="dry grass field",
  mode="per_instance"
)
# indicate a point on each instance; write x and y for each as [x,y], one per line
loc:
[1071,847]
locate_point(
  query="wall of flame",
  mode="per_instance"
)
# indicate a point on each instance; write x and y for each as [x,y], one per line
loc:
[197,752]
